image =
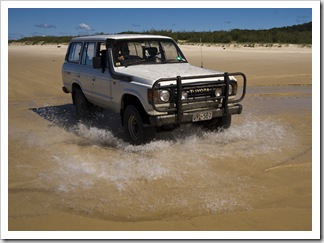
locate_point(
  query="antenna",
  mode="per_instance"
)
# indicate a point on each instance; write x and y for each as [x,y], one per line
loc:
[201,57]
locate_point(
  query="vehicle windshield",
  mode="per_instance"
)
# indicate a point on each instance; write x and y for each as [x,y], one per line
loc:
[135,52]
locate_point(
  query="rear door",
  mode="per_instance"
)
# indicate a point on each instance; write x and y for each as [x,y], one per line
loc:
[99,79]
[71,70]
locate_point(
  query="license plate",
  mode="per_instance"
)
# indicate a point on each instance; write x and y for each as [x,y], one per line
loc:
[202,116]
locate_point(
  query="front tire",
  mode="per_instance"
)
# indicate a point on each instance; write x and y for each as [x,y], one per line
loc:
[135,130]
[219,123]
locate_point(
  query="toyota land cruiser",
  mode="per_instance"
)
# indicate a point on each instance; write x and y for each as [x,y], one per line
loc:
[148,81]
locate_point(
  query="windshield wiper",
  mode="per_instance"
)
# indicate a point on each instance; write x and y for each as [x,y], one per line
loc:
[129,63]
[175,61]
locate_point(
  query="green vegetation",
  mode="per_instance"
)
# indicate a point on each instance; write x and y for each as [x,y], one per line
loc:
[42,40]
[296,34]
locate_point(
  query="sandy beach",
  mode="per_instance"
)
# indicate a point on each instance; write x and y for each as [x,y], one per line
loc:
[256,176]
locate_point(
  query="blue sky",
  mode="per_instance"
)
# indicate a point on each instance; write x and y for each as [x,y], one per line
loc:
[23,22]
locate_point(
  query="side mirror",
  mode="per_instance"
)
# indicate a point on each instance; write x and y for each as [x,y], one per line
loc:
[96,62]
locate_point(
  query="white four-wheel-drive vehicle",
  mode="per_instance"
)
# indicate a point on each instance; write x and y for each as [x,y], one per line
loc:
[148,81]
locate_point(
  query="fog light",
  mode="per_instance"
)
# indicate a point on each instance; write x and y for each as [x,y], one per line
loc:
[218,92]
[164,95]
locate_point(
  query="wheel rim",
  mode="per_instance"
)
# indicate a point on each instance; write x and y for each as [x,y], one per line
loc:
[133,127]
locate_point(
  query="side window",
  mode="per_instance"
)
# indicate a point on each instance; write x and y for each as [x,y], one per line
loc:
[88,53]
[102,53]
[102,46]
[74,52]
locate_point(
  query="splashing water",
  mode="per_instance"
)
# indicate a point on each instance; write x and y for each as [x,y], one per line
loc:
[195,169]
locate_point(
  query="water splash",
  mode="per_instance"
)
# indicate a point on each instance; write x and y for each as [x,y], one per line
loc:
[252,135]
[192,170]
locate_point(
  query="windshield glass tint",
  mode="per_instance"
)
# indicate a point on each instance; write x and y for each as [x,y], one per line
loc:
[135,52]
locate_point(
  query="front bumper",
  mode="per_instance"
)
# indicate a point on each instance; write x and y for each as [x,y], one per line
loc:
[186,117]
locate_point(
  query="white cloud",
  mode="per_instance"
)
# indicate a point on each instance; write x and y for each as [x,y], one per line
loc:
[45,26]
[84,26]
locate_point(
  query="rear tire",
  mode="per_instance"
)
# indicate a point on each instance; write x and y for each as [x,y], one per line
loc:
[135,130]
[84,109]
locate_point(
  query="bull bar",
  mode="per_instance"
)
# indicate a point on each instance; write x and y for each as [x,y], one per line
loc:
[176,102]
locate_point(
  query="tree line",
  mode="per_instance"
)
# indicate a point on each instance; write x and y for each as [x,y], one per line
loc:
[296,34]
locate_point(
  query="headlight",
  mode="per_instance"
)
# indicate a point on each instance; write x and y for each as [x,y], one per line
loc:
[218,92]
[164,95]
[230,89]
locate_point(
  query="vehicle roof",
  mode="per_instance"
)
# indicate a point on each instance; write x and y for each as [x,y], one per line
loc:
[118,37]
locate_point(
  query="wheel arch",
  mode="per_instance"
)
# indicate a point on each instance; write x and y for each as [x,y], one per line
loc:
[130,99]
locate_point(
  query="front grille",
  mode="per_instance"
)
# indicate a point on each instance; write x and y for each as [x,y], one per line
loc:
[199,92]
[193,95]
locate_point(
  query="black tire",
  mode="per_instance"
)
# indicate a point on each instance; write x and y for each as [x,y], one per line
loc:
[84,109]
[135,130]
[219,123]
[226,122]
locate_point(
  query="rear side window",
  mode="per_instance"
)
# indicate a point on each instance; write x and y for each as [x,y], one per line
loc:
[88,53]
[74,52]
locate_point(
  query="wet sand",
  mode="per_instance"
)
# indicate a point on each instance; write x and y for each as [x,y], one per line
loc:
[256,176]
